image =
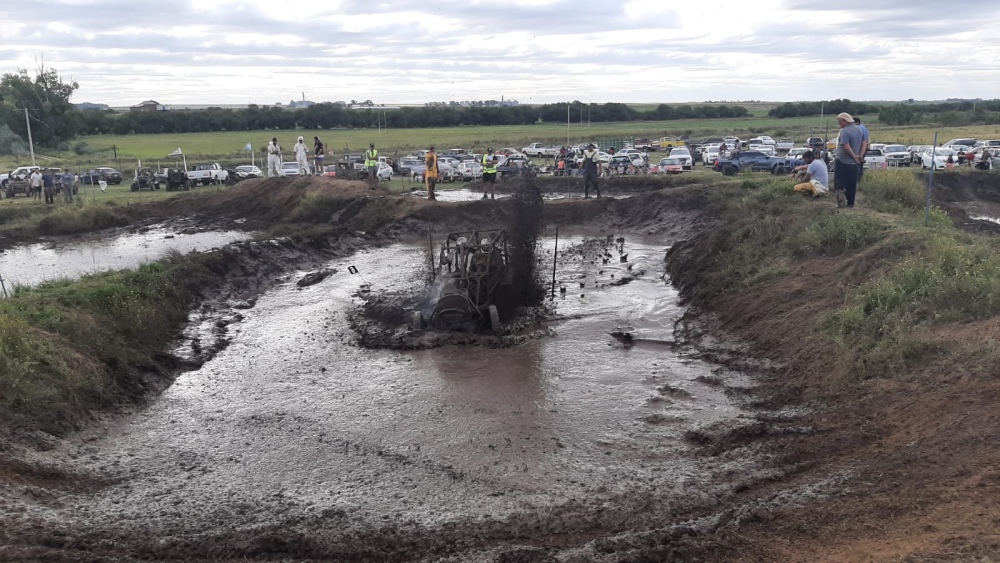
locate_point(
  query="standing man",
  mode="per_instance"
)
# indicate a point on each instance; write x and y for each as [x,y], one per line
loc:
[431,172]
[49,184]
[274,159]
[864,146]
[489,174]
[35,184]
[591,170]
[301,156]
[319,153]
[371,163]
[846,168]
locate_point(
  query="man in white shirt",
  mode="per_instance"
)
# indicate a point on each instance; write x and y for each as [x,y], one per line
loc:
[815,176]
[35,182]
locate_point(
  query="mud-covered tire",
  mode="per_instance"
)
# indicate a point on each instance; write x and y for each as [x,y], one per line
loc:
[188,185]
[135,187]
[417,321]
[495,320]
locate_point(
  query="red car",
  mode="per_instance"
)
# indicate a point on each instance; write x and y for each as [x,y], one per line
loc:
[668,166]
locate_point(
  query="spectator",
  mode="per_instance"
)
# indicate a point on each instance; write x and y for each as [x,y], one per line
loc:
[845,172]
[814,175]
[274,159]
[35,184]
[431,172]
[319,154]
[301,156]
[985,162]
[49,185]
[591,170]
[371,164]
[866,140]
[489,174]
[949,164]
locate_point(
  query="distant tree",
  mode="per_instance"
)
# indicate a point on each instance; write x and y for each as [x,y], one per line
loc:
[54,119]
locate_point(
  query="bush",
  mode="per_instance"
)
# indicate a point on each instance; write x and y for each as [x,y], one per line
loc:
[81,219]
[317,207]
[893,191]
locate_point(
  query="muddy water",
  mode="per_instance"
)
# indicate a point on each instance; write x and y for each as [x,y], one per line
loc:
[292,422]
[33,264]
[470,194]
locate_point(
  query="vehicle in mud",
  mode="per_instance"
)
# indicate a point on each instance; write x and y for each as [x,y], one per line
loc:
[145,179]
[472,266]
[177,179]
[109,175]
[16,183]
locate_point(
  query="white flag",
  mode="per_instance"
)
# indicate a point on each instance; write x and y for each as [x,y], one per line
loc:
[176,152]
[249,147]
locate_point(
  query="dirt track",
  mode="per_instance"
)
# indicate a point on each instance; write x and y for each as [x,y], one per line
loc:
[700,441]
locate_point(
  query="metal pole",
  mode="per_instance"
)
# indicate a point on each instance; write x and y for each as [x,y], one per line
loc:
[31,144]
[555,254]
[930,182]
[567,123]
[4,286]
[430,246]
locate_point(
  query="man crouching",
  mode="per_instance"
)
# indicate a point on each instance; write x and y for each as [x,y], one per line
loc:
[813,174]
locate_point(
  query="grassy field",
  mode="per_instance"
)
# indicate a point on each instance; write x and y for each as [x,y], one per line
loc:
[227,147]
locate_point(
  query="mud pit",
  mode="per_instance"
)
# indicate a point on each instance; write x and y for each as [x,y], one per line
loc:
[295,441]
[36,263]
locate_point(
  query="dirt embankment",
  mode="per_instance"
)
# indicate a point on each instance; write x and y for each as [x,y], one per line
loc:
[914,453]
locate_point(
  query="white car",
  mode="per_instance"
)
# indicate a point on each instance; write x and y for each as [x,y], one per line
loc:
[797,152]
[539,149]
[785,144]
[732,142]
[684,156]
[875,159]
[766,149]
[709,154]
[762,140]
[470,170]
[637,152]
[896,155]
[248,171]
[940,155]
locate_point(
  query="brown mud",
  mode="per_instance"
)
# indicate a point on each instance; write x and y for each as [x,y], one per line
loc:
[620,425]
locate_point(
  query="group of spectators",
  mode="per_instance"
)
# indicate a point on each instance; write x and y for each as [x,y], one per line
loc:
[47,182]
[849,164]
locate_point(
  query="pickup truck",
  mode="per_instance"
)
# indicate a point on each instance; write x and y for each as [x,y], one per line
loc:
[755,161]
[538,149]
[646,145]
[785,144]
[670,142]
[208,174]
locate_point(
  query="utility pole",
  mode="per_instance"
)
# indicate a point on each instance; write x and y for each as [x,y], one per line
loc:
[30,143]
[567,123]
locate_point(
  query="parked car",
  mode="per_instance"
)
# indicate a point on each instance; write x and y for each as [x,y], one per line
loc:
[247,171]
[709,154]
[540,149]
[109,175]
[816,143]
[896,155]
[20,173]
[683,155]
[667,166]
[939,156]
[645,145]
[785,144]
[670,142]
[755,161]
[967,142]
[762,140]
[208,174]
[797,152]
[875,159]
[470,170]
[636,153]
[290,168]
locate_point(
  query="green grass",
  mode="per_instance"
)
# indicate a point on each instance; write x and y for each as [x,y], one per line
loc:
[70,346]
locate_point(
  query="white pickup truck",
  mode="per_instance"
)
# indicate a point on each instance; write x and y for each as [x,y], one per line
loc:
[208,174]
[538,149]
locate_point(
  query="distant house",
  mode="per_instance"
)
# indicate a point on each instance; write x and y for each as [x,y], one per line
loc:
[300,104]
[149,105]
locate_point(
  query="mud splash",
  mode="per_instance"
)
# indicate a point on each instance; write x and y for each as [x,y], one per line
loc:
[37,263]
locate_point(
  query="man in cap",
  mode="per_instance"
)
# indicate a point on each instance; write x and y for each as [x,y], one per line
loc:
[591,170]
[847,166]
[371,163]
[301,156]
[431,172]
[274,159]
[489,174]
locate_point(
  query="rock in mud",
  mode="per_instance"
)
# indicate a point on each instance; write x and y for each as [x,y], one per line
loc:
[313,278]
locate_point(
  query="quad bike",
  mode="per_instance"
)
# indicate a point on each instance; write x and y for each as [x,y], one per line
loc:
[145,180]
[473,265]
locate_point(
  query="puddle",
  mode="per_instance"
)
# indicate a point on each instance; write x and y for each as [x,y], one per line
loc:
[33,264]
[292,419]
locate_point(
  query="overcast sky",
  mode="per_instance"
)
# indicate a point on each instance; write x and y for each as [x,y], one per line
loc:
[394,51]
